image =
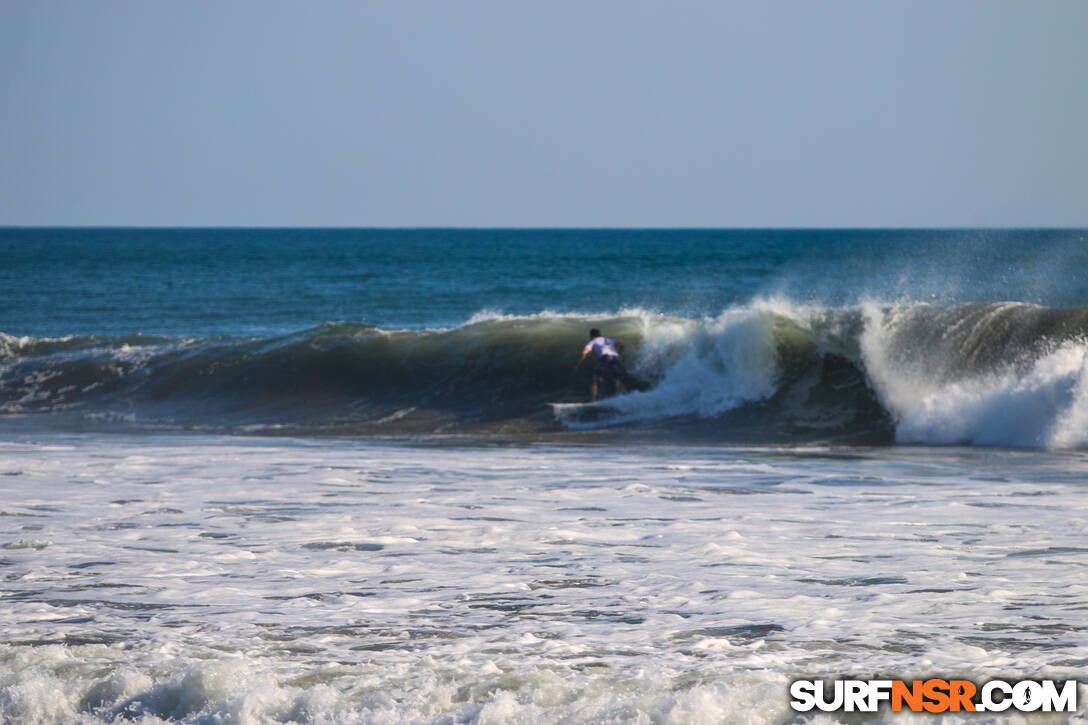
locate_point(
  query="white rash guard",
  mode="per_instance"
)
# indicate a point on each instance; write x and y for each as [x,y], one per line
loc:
[603,346]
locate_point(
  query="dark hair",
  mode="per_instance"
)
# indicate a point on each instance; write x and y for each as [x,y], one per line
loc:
[594,333]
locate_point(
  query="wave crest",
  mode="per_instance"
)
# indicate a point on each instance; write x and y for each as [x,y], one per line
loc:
[984,373]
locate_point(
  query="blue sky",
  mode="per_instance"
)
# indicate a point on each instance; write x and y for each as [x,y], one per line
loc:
[857,113]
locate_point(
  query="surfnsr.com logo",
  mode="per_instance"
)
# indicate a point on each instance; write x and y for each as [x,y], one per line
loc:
[934,695]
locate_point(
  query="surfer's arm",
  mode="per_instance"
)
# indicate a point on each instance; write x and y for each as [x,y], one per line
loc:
[585,351]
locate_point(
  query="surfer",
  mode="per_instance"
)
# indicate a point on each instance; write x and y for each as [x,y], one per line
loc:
[608,362]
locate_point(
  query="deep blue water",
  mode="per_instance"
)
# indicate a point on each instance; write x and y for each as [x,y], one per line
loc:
[204,282]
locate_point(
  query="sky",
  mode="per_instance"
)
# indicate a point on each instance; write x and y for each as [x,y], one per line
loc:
[419,113]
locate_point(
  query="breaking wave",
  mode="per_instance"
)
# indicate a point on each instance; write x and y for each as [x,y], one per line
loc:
[1006,374]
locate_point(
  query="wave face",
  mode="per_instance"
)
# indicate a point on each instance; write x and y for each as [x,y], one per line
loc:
[1008,374]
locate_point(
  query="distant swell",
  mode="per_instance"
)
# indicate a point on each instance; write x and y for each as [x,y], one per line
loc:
[1006,374]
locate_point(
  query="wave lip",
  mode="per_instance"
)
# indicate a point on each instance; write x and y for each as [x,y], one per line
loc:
[998,374]
[1006,374]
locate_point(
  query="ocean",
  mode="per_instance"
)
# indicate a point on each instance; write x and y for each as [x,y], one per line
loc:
[338,476]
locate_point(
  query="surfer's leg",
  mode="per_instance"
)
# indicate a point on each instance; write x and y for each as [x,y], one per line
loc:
[618,374]
[593,389]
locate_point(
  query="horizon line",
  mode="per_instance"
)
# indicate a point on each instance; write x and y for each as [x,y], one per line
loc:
[242,227]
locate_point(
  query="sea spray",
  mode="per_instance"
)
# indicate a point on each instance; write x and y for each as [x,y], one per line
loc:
[1000,374]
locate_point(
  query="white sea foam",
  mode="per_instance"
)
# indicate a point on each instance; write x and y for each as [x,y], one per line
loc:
[726,362]
[924,376]
[705,367]
[1071,428]
[1042,404]
[10,345]
[203,579]
[493,315]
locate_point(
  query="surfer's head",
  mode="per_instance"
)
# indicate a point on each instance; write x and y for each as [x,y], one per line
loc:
[594,333]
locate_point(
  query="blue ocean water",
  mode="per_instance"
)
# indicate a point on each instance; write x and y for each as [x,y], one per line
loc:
[207,282]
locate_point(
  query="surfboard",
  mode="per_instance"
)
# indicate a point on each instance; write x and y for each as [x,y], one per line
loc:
[579,412]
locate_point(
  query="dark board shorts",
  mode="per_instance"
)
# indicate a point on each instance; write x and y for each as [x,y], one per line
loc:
[609,366]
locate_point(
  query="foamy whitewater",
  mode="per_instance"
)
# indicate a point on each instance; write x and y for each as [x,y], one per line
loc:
[350,476]
[213,579]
